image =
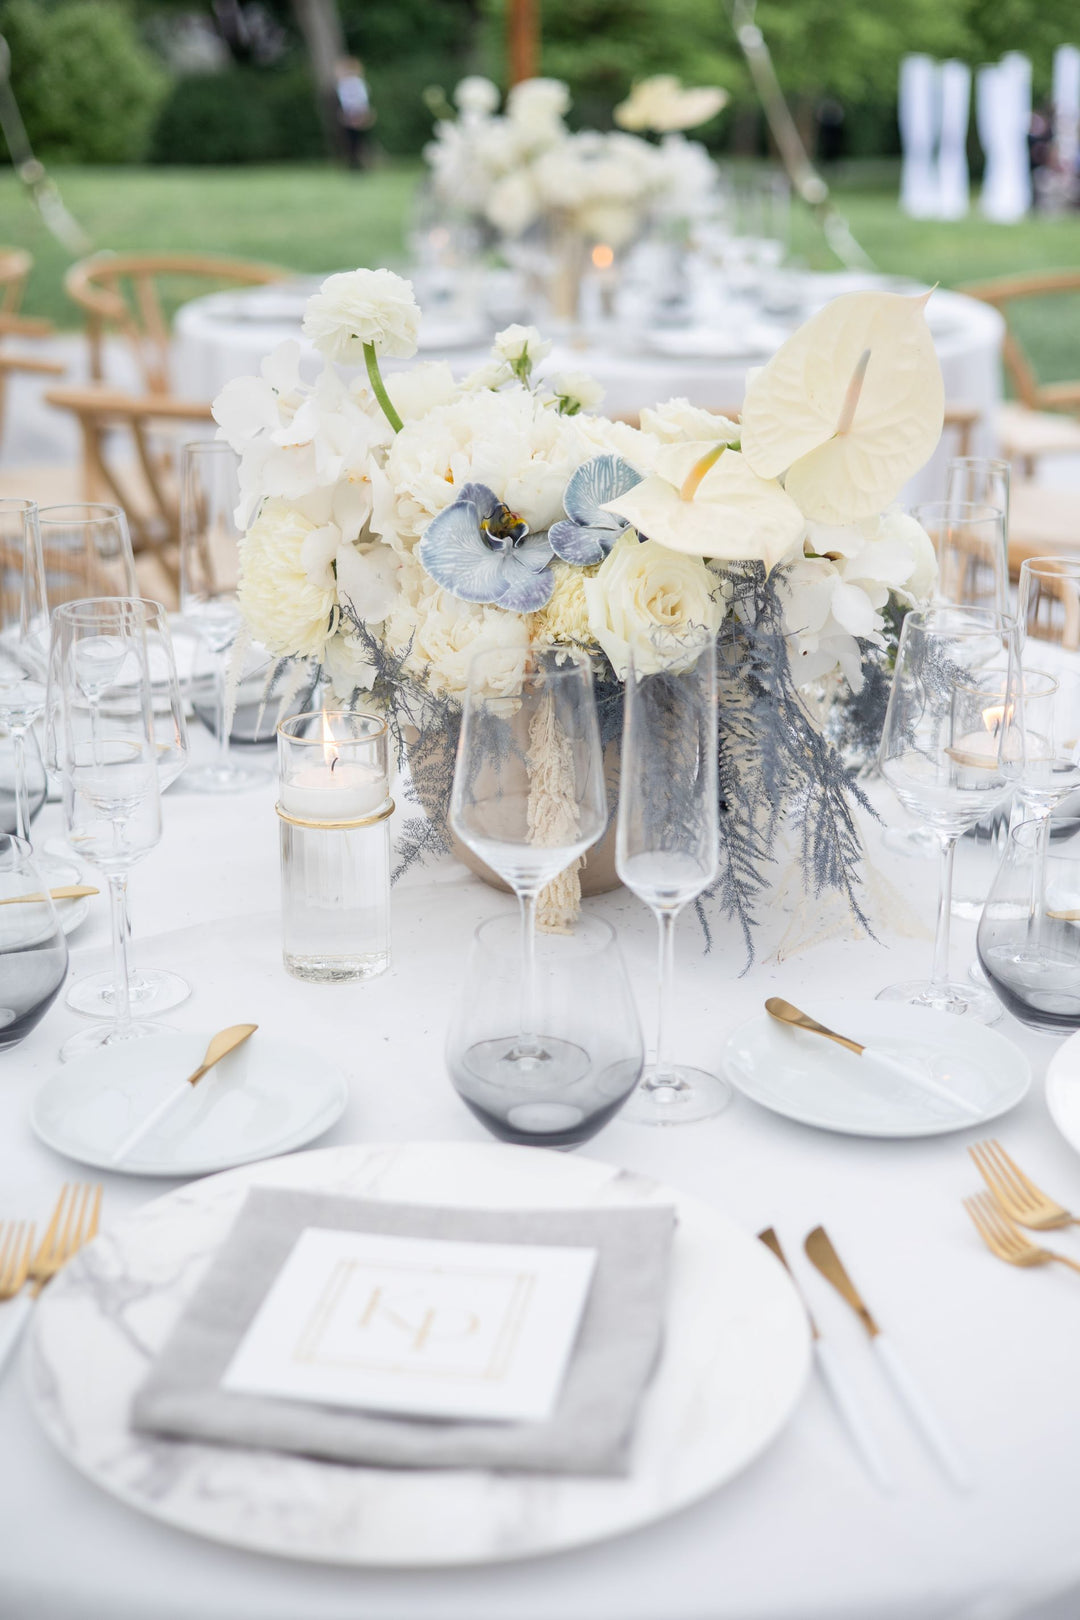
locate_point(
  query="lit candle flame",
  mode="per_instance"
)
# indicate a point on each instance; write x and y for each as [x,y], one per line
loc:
[603,257]
[331,754]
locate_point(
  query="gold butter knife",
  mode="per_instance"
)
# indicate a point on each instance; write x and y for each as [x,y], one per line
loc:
[820,1253]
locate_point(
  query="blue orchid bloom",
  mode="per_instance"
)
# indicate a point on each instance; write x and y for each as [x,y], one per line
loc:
[587,533]
[480,551]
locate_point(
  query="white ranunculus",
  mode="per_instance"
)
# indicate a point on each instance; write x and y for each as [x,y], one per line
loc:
[576,390]
[285,609]
[516,343]
[367,580]
[475,94]
[363,306]
[643,596]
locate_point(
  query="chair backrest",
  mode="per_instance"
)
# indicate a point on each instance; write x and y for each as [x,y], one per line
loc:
[122,293]
[1004,293]
[15,267]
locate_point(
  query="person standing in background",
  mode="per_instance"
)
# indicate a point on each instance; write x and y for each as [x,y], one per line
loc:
[355,112]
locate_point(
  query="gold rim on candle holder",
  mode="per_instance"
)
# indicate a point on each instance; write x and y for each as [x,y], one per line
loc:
[381,814]
[321,742]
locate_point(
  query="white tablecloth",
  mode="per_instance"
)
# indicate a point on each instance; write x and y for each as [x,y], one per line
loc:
[227,335]
[801,1535]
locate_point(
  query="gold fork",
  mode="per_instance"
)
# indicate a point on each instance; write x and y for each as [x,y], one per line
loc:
[1005,1239]
[1017,1194]
[16,1247]
[73,1222]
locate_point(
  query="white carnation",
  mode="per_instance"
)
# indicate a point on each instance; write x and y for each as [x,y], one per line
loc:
[363,306]
[285,608]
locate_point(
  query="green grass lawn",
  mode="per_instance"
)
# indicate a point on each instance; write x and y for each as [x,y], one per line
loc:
[317,218]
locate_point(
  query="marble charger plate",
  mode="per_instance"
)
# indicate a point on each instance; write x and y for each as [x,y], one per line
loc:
[733,1367]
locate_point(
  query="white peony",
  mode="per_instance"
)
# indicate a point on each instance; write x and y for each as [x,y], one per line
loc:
[475,94]
[419,389]
[641,595]
[357,307]
[515,344]
[289,612]
[443,635]
[510,441]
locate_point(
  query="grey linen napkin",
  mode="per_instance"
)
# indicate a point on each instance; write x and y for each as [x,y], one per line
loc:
[588,1433]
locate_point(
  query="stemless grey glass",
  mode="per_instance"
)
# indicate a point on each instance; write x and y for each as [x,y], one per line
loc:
[668,840]
[952,749]
[33,950]
[529,799]
[582,1001]
[1029,936]
[209,581]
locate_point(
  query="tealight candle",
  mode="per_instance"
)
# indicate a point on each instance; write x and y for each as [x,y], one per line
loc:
[334,805]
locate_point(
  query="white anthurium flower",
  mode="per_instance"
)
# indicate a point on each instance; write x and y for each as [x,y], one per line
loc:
[358,308]
[849,408]
[703,499]
[367,580]
[677,420]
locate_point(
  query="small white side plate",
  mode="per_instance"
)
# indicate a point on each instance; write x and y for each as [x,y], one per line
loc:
[816,1082]
[265,1098]
[1063,1089]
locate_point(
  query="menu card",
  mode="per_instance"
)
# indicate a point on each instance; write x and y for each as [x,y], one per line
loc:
[419,1327]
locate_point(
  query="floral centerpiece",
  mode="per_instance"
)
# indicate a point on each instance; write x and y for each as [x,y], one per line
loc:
[522,170]
[397,525]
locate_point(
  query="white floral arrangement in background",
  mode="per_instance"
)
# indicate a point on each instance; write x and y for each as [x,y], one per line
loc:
[517,167]
[397,526]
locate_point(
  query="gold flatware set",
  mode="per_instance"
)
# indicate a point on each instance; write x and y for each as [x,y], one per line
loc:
[1011,1202]
[25,1269]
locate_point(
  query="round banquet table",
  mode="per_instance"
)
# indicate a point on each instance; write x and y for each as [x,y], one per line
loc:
[226,335]
[802,1534]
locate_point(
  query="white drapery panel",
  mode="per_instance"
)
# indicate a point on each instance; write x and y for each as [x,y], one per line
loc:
[920,123]
[1003,116]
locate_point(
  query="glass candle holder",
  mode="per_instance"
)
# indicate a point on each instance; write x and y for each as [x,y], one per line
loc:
[334,807]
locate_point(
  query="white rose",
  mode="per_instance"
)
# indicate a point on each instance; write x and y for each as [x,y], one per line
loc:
[475,94]
[517,343]
[363,306]
[287,610]
[576,391]
[642,595]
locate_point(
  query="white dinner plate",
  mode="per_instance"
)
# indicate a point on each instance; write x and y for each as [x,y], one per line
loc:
[816,1082]
[265,1098]
[733,1365]
[1063,1089]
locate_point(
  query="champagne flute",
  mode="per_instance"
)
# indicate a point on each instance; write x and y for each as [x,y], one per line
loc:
[952,750]
[102,716]
[209,579]
[667,847]
[152,990]
[528,798]
[77,552]
[1048,602]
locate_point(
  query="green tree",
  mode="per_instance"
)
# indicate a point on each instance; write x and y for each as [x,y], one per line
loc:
[88,89]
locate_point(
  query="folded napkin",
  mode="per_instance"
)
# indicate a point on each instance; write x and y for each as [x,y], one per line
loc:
[591,1427]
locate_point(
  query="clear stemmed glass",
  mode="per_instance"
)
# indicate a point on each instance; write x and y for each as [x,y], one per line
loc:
[209,578]
[980,481]
[969,540]
[1048,602]
[528,799]
[667,846]
[81,551]
[152,990]
[101,714]
[20,549]
[952,750]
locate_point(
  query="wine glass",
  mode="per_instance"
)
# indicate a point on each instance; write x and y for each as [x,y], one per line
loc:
[101,713]
[1048,602]
[528,798]
[151,990]
[19,547]
[667,839]
[952,749]
[969,540]
[22,698]
[209,578]
[78,551]
[33,950]
[583,996]
[980,481]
